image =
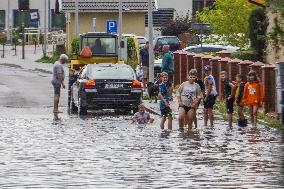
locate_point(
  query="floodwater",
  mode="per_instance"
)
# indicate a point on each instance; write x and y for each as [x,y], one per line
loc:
[106,151]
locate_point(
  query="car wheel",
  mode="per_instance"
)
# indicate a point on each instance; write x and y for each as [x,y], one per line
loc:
[82,110]
[71,105]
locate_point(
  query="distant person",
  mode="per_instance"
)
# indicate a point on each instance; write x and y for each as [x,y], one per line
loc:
[210,95]
[240,85]
[168,67]
[98,48]
[142,117]
[144,57]
[165,107]
[86,51]
[229,96]
[188,96]
[253,95]
[58,82]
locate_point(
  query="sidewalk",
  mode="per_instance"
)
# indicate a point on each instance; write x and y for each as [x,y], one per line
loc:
[30,57]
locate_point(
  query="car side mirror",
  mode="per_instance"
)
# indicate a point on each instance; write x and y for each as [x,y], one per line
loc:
[121,44]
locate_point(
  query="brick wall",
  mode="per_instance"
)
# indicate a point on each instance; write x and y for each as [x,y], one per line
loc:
[185,61]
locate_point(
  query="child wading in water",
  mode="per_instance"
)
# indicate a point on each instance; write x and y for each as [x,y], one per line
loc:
[229,96]
[253,95]
[240,85]
[165,108]
[189,96]
[142,117]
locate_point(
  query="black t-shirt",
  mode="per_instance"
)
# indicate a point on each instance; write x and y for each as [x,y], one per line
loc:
[144,53]
[200,83]
[227,88]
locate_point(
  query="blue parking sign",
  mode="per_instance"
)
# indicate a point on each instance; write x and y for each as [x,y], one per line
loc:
[111,26]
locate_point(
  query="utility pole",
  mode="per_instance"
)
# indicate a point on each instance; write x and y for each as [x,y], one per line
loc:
[76,18]
[49,16]
[119,29]
[45,29]
[8,28]
[150,39]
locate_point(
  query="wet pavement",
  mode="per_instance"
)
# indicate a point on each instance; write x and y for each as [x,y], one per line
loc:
[104,150]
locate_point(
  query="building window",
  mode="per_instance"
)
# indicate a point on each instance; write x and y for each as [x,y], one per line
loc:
[21,17]
[58,21]
[2,19]
[198,5]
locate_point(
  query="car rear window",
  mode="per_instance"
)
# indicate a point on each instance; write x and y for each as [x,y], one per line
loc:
[111,72]
[168,41]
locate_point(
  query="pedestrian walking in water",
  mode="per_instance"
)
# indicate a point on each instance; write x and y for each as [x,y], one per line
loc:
[188,96]
[253,95]
[209,96]
[168,67]
[144,57]
[201,85]
[165,107]
[229,96]
[240,85]
[58,82]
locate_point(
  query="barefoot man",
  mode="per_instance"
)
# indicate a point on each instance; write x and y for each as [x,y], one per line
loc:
[58,82]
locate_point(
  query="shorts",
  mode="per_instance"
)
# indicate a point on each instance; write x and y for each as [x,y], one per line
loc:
[56,89]
[186,108]
[170,79]
[209,103]
[166,112]
[230,105]
[145,72]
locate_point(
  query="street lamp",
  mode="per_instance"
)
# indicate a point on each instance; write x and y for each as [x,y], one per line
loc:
[150,39]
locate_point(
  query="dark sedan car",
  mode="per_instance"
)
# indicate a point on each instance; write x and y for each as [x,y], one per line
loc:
[106,86]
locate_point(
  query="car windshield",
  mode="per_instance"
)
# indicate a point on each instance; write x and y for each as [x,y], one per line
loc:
[100,45]
[110,72]
[141,41]
[168,41]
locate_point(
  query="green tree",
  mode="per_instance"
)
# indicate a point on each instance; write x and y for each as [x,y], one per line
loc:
[229,19]
[257,32]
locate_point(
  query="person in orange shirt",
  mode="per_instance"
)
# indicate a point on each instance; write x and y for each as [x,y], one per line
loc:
[253,95]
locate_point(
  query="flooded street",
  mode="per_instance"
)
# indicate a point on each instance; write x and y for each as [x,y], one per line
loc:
[106,151]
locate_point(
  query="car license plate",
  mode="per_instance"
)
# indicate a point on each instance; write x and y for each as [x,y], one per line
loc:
[113,85]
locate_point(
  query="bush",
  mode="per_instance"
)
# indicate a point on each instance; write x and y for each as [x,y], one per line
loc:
[3,38]
[49,59]
[75,45]
[246,55]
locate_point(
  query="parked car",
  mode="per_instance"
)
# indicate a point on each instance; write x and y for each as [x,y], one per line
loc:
[106,86]
[141,41]
[172,41]
[210,48]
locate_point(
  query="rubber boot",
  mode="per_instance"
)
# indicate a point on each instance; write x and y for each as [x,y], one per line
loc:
[245,122]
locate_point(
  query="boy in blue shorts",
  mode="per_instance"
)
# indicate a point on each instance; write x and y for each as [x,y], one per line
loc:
[165,108]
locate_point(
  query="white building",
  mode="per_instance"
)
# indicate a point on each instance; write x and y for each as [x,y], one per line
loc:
[181,7]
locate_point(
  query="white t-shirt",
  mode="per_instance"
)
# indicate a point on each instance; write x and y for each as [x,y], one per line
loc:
[188,93]
[142,118]
[209,80]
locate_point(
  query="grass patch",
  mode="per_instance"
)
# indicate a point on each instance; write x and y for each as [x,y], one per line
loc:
[49,59]
[262,118]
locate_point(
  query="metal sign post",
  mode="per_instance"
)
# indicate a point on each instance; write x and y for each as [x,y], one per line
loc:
[119,29]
